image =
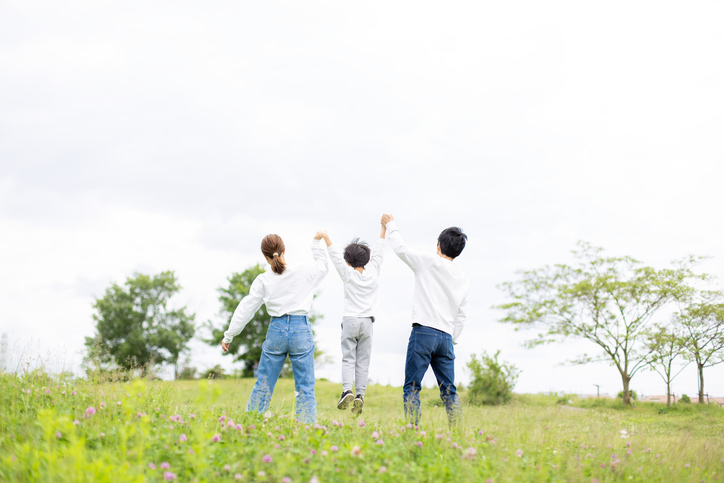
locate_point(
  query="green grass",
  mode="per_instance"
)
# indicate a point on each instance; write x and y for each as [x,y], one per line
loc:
[530,439]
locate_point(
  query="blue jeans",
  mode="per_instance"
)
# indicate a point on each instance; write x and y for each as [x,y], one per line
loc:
[287,335]
[430,347]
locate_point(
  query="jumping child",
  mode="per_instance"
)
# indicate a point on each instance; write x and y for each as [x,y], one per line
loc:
[359,270]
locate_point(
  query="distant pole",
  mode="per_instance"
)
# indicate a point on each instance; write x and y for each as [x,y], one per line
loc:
[4,355]
[598,391]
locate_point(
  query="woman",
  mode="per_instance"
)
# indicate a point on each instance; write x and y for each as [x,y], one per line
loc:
[287,292]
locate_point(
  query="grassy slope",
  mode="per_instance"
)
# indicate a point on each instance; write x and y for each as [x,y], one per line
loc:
[557,444]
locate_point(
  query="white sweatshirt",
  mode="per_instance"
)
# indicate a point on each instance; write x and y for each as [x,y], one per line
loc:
[290,293]
[360,289]
[441,288]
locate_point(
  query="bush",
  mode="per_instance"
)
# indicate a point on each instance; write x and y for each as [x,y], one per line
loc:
[216,372]
[493,381]
[187,373]
[632,395]
[685,399]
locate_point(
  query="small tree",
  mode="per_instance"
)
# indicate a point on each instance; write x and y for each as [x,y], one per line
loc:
[703,324]
[493,381]
[665,345]
[135,328]
[606,300]
[246,347]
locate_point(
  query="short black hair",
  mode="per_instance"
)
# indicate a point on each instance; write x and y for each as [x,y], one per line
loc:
[357,253]
[452,241]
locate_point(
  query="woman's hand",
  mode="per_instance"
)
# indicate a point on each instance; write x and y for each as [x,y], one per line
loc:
[320,234]
[225,346]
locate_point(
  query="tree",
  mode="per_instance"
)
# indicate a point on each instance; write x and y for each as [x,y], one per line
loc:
[664,345]
[606,300]
[703,323]
[135,328]
[246,347]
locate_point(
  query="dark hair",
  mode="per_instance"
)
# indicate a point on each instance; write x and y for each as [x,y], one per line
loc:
[452,241]
[357,253]
[272,247]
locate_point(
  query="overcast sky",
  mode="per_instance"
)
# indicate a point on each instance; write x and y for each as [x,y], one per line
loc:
[148,136]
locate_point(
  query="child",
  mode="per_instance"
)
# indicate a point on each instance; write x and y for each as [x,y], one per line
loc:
[287,292]
[360,302]
[438,315]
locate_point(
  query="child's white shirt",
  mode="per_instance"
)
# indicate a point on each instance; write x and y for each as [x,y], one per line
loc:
[360,289]
[441,287]
[290,293]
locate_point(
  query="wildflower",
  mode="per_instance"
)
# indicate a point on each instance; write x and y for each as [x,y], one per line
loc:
[183,438]
[152,466]
[261,474]
[629,452]
[314,479]
[380,442]
[361,424]
[628,443]
[268,414]
[239,427]
[216,438]
[335,423]
[281,437]
[231,423]
[72,393]
[222,418]
[90,411]
[481,432]
[419,444]
[192,416]
[191,451]
[103,404]
[165,466]
[334,448]
[423,434]
[686,465]
[76,422]
[375,435]
[324,453]
[58,435]
[383,469]
[102,435]
[237,476]
[167,475]
[356,451]
[227,468]
[589,456]
[519,453]
[252,427]
[454,445]
[267,458]
[276,446]
[438,436]
[489,480]
[603,465]
[314,451]
[286,479]
[118,403]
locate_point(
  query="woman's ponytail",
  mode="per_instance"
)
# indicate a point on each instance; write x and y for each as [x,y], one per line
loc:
[272,247]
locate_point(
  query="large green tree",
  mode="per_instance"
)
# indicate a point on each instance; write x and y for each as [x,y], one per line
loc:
[136,328]
[246,347]
[702,320]
[608,301]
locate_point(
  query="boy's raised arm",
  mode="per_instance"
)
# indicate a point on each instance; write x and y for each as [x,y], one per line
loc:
[378,252]
[337,259]
[414,259]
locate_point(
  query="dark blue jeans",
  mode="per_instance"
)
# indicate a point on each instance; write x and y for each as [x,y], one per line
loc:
[430,347]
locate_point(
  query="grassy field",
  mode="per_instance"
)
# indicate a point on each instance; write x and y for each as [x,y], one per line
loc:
[198,431]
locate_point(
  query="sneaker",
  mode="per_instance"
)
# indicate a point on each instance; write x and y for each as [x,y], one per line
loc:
[359,401]
[344,401]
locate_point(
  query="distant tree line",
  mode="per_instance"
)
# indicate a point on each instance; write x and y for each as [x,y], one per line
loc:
[640,317]
[137,329]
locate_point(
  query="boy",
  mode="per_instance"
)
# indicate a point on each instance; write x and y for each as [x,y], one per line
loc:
[438,315]
[359,271]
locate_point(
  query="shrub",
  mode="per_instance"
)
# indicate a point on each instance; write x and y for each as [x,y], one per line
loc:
[632,395]
[187,373]
[216,372]
[493,381]
[685,399]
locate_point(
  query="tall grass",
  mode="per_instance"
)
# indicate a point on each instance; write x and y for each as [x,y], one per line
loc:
[74,430]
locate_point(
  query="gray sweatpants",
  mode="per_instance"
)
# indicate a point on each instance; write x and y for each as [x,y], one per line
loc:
[356,351]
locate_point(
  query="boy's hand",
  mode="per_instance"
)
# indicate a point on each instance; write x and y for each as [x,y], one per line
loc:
[386,219]
[320,234]
[225,347]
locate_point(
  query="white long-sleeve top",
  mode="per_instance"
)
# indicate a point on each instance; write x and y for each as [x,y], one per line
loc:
[441,288]
[290,293]
[360,289]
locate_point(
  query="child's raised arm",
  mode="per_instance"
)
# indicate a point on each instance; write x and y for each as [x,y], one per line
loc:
[320,258]
[335,254]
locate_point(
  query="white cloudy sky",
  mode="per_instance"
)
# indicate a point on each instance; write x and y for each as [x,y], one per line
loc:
[146,136]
